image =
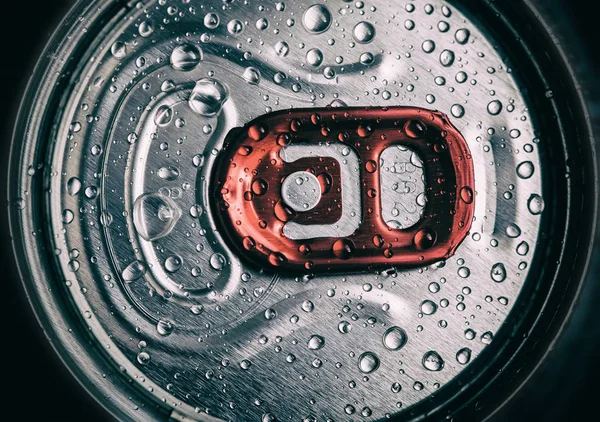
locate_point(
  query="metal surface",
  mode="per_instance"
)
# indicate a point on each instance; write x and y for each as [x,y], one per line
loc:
[127,213]
[301,191]
[351,216]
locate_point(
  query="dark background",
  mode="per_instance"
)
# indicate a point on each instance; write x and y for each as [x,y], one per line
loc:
[34,381]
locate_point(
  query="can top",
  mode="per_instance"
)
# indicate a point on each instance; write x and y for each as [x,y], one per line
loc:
[128,203]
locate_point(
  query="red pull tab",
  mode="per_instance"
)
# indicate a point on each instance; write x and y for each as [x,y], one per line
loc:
[337,189]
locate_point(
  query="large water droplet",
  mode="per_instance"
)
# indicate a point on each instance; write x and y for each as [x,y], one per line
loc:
[512,230]
[173,263]
[146,28]
[186,57]
[498,273]
[164,327]
[208,97]
[428,46]
[314,57]
[428,307]
[364,32]
[523,248]
[395,338]
[282,48]
[535,204]
[163,115]
[463,356]
[316,19]
[432,361]
[252,75]
[119,50]
[316,342]
[368,362]
[134,271]
[525,170]
[308,306]
[73,186]
[494,107]
[344,327]
[457,111]
[155,215]
[168,173]
[235,27]
[211,20]
[217,261]
[447,58]
[462,36]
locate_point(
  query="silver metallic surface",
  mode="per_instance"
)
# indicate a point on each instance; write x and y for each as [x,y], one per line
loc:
[349,164]
[301,191]
[133,229]
[403,196]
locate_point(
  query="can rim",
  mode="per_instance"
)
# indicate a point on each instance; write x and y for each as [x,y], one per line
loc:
[68,345]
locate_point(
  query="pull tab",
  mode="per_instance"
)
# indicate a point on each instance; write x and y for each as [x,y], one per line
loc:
[345,189]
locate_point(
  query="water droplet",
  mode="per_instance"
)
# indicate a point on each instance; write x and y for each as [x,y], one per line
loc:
[395,338]
[364,32]
[119,50]
[428,46]
[523,248]
[428,307]
[498,273]
[163,115]
[164,328]
[344,327]
[262,24]
[196,309]
[366,58]
[513,231]
[525,170]
[73,186]
[447,58]
[343,248]
[252,75]
[494,107]
[211,20]
[168,173]
[282,48]
[432,361]
[217,261]
[314,57]
[208,97]
[329,72]
[146,29]
[368,362]
[270,314]
[457,111]
[143,358]
[235,27]
[425,239]
[67,216]
[316,342]
[173,263]
[464,272]
[316,19]
[308,306]
[155,216]
[134,271]
[487,337]
[463,356]
[186,57]
[462,36]
[535,204]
